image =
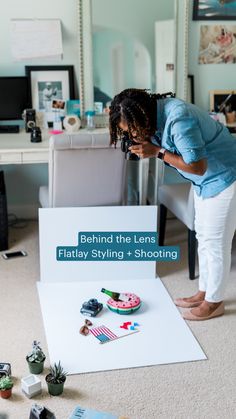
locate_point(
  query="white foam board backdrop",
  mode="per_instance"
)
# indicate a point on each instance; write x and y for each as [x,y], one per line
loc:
[60,227]
[164,336]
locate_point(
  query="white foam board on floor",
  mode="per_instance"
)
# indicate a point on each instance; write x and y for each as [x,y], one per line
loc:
[164,337]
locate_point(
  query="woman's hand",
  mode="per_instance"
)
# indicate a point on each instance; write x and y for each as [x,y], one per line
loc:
[145,150]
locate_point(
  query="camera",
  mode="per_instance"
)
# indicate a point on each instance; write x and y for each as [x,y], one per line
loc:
[5,369]
[126,142]
[91,307]
[40,412]
[29,116]
[35,136]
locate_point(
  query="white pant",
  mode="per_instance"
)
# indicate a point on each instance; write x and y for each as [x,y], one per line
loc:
[215,224]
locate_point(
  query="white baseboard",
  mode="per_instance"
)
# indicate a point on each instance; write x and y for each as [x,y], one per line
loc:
[24,211]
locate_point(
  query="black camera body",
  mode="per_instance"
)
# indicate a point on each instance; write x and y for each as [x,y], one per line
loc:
[40,412]
[126,142]
[30,119]
[36,135]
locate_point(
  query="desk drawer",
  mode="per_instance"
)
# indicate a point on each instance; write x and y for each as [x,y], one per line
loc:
[10,158]
[35,157]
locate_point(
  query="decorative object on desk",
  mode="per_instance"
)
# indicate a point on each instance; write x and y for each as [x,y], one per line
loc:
[41,120]
[218,116]
[29,116]
[58,104]
[31,386]
[57,124]
[40,412]
[3,214]
[56,379]
[214,10]
[91,307]
[50,83]
[36,358]
[84,413]
[71,123]
[36,135]
[5,369]
[98,107]
[217,44]
[6,385]
[55,132]
[101,120]
[90,122]
[73,107]
[125,307]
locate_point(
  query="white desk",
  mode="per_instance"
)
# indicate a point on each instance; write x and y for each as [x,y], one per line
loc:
[18,149]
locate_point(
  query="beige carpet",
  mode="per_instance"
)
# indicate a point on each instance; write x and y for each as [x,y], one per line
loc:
[194,390]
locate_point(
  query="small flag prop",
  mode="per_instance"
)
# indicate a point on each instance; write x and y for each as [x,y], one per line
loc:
[103,334]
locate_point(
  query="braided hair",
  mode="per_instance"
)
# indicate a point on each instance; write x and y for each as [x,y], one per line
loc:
[136,108]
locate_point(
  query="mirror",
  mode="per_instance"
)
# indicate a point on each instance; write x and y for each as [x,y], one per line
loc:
[124,43]
[116,43]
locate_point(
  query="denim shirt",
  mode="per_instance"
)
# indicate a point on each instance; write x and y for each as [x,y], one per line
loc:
[188,131]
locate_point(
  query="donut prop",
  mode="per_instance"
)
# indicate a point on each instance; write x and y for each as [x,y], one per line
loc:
[125,307]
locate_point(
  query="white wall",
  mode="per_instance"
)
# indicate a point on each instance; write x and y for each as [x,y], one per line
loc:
[23,181]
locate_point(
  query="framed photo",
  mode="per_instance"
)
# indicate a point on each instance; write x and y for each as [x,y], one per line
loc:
[214,10]
[217,44]
[49,83]
[223,101]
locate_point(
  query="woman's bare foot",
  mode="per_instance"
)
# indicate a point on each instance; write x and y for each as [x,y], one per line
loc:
[205,309]
[193,301]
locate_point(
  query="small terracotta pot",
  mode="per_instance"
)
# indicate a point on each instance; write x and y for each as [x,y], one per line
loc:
[5,394]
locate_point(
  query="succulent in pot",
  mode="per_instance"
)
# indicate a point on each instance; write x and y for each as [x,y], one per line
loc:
[6,385]
[56,379]
[36,358]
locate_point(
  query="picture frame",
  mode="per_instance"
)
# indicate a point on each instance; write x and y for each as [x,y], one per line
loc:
[223,107]
[218,97]
[48,83]
[214,10]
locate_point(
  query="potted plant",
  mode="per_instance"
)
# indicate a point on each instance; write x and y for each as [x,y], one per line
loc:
[56,379]
[6,385]
[36,359]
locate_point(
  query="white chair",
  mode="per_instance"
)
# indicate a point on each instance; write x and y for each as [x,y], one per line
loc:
[84,171]
[178,198]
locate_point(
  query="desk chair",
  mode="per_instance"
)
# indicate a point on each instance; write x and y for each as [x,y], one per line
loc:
[178,198]
[84,171]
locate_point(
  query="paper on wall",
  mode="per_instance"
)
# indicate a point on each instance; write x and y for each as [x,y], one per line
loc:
[36,38]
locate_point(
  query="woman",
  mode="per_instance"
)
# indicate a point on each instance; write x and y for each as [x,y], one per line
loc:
[204,152]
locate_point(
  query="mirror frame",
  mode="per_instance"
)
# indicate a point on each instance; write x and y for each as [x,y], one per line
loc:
[182,43]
